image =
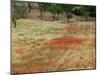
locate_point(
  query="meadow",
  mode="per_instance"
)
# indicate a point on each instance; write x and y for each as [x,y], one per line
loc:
[41,46]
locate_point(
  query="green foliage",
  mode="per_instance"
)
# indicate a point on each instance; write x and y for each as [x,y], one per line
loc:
[21,10]
[55,9]
[92,11]
[85,11]
[67,8]
[42,8]
[68,11]
[59,8]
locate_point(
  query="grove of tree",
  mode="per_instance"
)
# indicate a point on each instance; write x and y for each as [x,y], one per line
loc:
[22,10]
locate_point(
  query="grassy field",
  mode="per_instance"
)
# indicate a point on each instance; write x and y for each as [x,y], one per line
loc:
[41,46]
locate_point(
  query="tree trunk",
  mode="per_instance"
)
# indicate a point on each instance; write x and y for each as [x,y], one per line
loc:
[15,24]
[53,16]
[29,6]
[68,19]
[86,18]
[57,16]
[81,18]
[41,15]
[14,21]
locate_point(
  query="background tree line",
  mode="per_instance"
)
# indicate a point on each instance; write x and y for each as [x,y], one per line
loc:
[22,10]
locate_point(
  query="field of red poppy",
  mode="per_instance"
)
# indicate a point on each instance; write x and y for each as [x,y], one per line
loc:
[42,46]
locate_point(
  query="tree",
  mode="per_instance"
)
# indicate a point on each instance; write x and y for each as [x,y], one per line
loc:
[51,9]
[18,11]
[68,11]
[42,8]
[13,14]
[92,10]
[59,10]
[29,6]
[84,12]
[14,20]
[55,9]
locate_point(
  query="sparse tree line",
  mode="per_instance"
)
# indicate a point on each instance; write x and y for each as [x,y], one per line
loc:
[21,10]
